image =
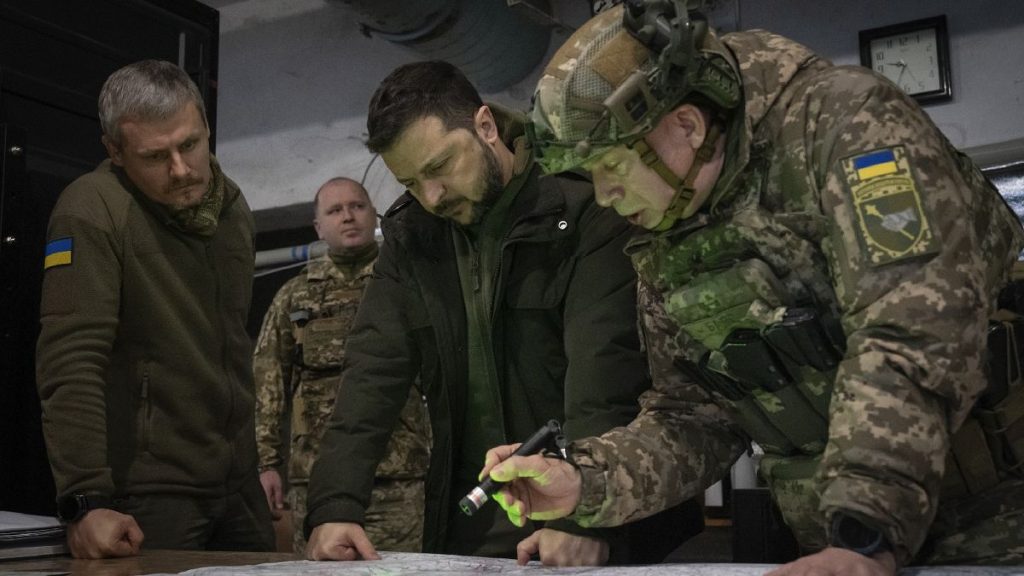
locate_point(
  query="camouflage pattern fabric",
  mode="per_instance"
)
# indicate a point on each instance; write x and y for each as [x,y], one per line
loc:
[394,520]
[681,443]
[986,529]
[914,244]
[331,295]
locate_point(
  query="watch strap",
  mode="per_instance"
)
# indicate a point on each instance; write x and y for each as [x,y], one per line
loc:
[852,534]
[72,507]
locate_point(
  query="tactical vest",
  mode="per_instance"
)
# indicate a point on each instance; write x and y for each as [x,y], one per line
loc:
[322,312]
[759,324]
[321,318]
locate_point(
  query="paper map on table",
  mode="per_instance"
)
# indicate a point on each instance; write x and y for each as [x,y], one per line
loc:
[404,564]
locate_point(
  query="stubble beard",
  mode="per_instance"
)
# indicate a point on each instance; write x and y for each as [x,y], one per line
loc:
[182,200]
[491,182]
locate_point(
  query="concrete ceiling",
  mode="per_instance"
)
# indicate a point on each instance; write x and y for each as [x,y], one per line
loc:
[294,81]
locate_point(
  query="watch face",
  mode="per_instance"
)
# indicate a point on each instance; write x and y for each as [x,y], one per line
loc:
[69,508]
[851,534]
[909,59]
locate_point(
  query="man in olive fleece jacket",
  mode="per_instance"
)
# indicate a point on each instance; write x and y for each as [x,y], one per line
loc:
[143,363]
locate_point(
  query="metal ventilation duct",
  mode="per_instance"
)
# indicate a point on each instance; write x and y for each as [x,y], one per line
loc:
[493,44]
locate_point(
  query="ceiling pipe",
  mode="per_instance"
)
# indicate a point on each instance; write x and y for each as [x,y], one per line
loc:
[495,45]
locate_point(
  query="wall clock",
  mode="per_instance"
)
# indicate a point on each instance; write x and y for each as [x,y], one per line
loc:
[914,55]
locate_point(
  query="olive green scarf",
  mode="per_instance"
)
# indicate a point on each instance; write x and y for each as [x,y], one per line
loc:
[351,260]
[202,218]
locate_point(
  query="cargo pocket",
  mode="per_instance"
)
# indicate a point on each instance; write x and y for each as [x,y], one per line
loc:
[324,345]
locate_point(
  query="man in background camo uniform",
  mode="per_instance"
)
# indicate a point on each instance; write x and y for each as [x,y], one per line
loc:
[822,277]
[298,362]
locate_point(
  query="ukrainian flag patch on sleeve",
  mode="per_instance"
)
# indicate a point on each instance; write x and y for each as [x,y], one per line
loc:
[891,220]
[58,253]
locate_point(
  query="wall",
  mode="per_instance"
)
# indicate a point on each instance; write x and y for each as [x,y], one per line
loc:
[295,79]
[986,52]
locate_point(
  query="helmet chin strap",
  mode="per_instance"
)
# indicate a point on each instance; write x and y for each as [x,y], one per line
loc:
[683,186]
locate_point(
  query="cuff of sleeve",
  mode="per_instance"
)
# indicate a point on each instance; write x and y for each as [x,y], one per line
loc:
[268,460]
[341,510]
[874,507]
[566,525]
[593,486]
[899,552]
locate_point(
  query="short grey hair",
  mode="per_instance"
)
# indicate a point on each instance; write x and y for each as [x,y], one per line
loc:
[145,90]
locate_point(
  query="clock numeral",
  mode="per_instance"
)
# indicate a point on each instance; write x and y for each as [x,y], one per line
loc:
[913,55]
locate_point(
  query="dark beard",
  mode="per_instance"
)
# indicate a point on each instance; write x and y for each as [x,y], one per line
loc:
[491,182]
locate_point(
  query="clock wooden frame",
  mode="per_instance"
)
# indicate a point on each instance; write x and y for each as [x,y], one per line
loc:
[937,23]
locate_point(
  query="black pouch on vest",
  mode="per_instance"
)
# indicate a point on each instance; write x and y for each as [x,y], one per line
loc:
[751,360]
[801,337]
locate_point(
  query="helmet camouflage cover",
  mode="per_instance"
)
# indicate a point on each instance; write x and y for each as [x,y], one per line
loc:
[605,87]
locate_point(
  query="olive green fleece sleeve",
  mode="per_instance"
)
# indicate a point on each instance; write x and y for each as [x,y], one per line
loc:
[79,317]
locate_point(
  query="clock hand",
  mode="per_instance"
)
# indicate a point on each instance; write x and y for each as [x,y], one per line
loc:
[903,68]
[912,77]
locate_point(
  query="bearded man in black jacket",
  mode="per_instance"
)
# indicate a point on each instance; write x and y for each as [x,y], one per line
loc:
[507,296]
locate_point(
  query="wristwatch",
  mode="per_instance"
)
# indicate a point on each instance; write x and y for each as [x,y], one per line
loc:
[850,533]
[72,507]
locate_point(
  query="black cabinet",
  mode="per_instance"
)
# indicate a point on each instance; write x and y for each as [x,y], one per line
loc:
[54,57]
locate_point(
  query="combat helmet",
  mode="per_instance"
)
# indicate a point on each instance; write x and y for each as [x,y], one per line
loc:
[617,75]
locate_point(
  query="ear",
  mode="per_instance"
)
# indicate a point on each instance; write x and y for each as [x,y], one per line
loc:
[316,226]
[113,150]
[690,125]
[486,127]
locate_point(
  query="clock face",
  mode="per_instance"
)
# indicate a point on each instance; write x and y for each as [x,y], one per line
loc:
[914,55]
[909,59]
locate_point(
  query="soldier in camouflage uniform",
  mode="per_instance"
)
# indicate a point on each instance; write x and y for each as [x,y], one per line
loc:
[298,361]
[822,277]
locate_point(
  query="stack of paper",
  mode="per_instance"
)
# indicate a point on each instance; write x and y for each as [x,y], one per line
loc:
[26,536]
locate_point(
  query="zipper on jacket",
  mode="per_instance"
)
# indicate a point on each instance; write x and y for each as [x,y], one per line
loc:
[145,411]
[222,336]
[474,270]
[506,242]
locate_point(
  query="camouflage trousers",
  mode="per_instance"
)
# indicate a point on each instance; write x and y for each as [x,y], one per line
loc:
[394,520]
[987,529]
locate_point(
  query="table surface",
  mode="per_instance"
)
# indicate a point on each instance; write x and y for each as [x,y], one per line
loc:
[148,562]
[201,563]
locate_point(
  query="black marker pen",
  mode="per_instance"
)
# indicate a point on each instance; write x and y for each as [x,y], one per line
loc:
[540,440]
